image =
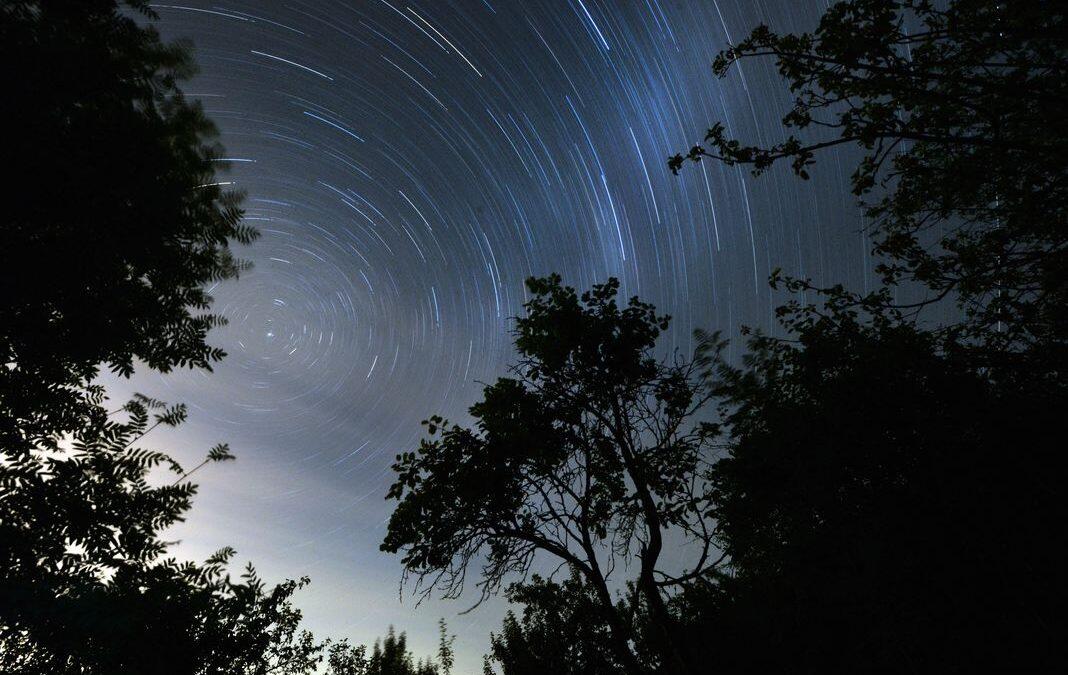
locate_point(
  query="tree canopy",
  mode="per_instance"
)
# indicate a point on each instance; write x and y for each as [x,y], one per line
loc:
[957,108]
[115,220]
[860,489]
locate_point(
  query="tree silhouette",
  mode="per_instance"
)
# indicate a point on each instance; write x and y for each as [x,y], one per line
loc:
[446,655]
[114,219]
[589,454]
[957,107]
[114,223]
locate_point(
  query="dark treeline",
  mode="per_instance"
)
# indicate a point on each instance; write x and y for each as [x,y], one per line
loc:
[865,490]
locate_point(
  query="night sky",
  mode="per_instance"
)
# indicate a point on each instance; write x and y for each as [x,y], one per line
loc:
[410,163]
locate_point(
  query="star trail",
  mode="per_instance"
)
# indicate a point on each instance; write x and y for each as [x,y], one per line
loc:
[409,164]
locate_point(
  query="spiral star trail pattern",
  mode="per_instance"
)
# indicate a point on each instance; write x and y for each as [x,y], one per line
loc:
[409,163]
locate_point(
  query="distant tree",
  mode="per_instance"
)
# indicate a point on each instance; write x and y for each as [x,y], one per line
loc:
[590,454]
[344,659]
[958,108]
[446,655]
[391,656]
[114,218]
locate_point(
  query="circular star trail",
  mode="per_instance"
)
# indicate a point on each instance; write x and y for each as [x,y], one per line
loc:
[409,164]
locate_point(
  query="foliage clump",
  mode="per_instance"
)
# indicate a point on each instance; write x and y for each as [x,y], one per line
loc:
[115,219]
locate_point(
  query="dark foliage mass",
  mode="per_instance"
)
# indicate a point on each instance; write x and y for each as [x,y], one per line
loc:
[558,631]
[114,219]
[874,488]
[867,491]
